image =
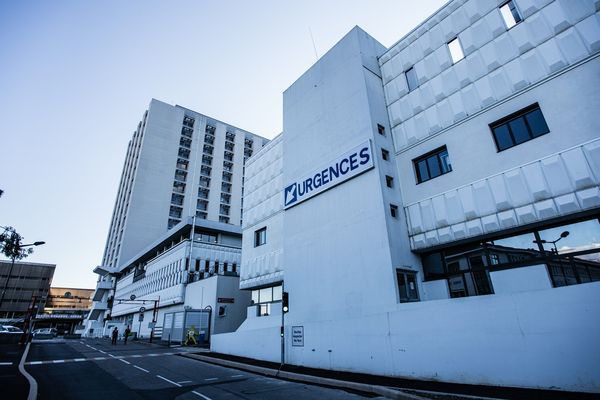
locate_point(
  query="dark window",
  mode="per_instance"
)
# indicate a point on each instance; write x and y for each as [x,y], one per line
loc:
[188,121]
[385,154]
[177,199]
[432,164]
[389,181]
[394,210]
[520,127]
[260,237]
[223,219]
[381,129]
[411,79]
[185,131]
[407,286]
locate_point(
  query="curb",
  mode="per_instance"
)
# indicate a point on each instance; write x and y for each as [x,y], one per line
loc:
[360,387]
[33,386]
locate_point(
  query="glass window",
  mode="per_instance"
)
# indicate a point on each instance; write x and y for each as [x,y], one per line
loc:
[394,210]
[519,127]
[407,286]
[385,154]
[260,237]
[381,129]
[411,79]
[277,290]
[510,14]
[255,296]
[432,164]
[266,295]
[456,51]
[389,181]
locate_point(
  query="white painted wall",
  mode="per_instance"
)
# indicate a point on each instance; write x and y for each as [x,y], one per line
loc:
[521,339]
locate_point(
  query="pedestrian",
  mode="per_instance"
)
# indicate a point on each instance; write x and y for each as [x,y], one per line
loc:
[127,331]
[115,335]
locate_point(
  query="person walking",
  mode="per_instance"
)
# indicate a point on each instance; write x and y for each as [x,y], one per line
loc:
[115,335]
[127,331]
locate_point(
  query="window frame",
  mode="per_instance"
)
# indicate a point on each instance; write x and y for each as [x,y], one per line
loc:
[427,156]
[259,238]
[405,273]
[413,73]
[505,121]
[512,13]
[456,39]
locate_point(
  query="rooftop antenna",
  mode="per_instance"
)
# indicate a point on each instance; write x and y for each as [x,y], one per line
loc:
[313,42]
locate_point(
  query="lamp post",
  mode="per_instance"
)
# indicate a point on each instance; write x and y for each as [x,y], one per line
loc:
[15,255]
[562,236]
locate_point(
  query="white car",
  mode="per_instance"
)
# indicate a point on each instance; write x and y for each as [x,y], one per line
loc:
[9,329]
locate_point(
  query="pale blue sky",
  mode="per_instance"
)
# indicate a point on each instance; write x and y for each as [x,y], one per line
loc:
[76,77]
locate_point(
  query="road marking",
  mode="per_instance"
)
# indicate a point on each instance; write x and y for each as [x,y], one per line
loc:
[201,395]
[103,352]
[211,379]
[184,382]
[35,362]
[137,356]
[236,376]
[125,361]
[58,361]
[79,359]
[140,368]
[165,379]
[5,363]
[99,358]
[112,357]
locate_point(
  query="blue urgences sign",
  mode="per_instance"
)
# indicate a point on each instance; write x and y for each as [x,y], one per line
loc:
[348,165]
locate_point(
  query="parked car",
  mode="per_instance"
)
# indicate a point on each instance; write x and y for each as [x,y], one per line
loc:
[9,329]
[45,332]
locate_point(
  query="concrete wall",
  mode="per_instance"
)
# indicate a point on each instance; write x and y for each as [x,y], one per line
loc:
[521,339]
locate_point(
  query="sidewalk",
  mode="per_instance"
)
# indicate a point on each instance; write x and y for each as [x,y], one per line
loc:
[393,388]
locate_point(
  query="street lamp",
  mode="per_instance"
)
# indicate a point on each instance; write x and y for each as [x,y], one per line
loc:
[15,255]
[562,236]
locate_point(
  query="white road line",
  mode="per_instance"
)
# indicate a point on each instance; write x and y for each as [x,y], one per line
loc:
[78,359]
[236,376]
[136,356]
[165,379]
[58,361]
[98,358]
[111,355]
[33,385]
[103,352]
[35,362]
[184,382]
[124,361]
[201,395]
[211,379]
[140,368]
[5,363]
[93,348]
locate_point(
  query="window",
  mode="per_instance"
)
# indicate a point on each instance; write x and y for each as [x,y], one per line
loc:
[203,193]
[224,209]
[520,127]
[210,129]
[208,138]
[180,175]
[407,286]
[187,132]
[225,198]
[172,223]
[381,129]
[178,187]
[411,79]
[177,199]
[227,176]
[456,51]
[201,205]
[229,146]
[230,136]
[185,153]
[228,156]
[206,159]
[389,181]
[175,212]
[385,154]
[188,121]
[227,166]
[510,14]
[205,170]
[185,142]
[204,181]
[432,165]
[206,237]
[267,294]
[201,214]
[223,219]
[208,149]
[226,187]
[394,210]
[260,237]
[182,164]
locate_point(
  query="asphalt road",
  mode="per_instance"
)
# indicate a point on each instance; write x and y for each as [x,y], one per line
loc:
[13,384]
[95,369]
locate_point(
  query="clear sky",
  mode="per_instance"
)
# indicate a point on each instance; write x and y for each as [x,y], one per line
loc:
[76,77]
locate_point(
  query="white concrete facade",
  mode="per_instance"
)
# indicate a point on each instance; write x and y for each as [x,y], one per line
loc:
[344,250]
[180,164]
